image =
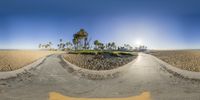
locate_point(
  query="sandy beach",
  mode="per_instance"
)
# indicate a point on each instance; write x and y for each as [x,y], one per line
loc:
[15,59]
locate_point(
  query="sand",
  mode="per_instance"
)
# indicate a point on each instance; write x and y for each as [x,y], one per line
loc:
[183,59]
[12,60]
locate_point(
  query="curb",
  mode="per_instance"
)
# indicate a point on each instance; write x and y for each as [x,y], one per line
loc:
[176,71]
[98,75]
[14,73]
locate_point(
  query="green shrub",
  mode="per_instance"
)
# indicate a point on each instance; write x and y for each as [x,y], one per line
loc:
[72,52]
[125,53]
[94,52]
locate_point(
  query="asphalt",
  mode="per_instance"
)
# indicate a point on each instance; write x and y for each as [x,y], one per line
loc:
[145,75]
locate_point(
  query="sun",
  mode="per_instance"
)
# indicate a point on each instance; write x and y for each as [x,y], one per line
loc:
[138,42]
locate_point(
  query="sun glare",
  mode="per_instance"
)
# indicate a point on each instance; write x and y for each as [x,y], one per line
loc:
[138,42]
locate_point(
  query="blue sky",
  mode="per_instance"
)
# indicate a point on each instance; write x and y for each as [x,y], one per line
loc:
[159,24]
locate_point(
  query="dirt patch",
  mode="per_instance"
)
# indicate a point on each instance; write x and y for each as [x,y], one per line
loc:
[99,61]
[183,59]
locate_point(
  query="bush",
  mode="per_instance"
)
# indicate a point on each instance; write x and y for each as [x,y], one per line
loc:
[114,54]
[125,53]
[73,52]
[95,52]
[91,53]
[83,52]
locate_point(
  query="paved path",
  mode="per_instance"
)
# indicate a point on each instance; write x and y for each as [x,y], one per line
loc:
[145,74]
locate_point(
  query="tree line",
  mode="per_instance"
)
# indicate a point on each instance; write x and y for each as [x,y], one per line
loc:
[80,41]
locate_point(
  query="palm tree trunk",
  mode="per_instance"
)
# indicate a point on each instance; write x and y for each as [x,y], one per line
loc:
[85,43]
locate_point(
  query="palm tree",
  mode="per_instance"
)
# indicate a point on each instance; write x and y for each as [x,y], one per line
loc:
[85,42]
[46,46]
[142,48]
[101,46]
[96,43]
[75,42]
[113,46]
[58,46]
[128,47]
[69,45]
[61,45]
[40,46]
[88,43]
[109,46]
[50,44]
[82,35]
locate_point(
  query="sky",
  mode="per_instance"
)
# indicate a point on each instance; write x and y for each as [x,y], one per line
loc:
[158,24]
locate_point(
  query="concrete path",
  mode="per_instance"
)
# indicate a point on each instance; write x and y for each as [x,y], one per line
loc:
[145,75]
